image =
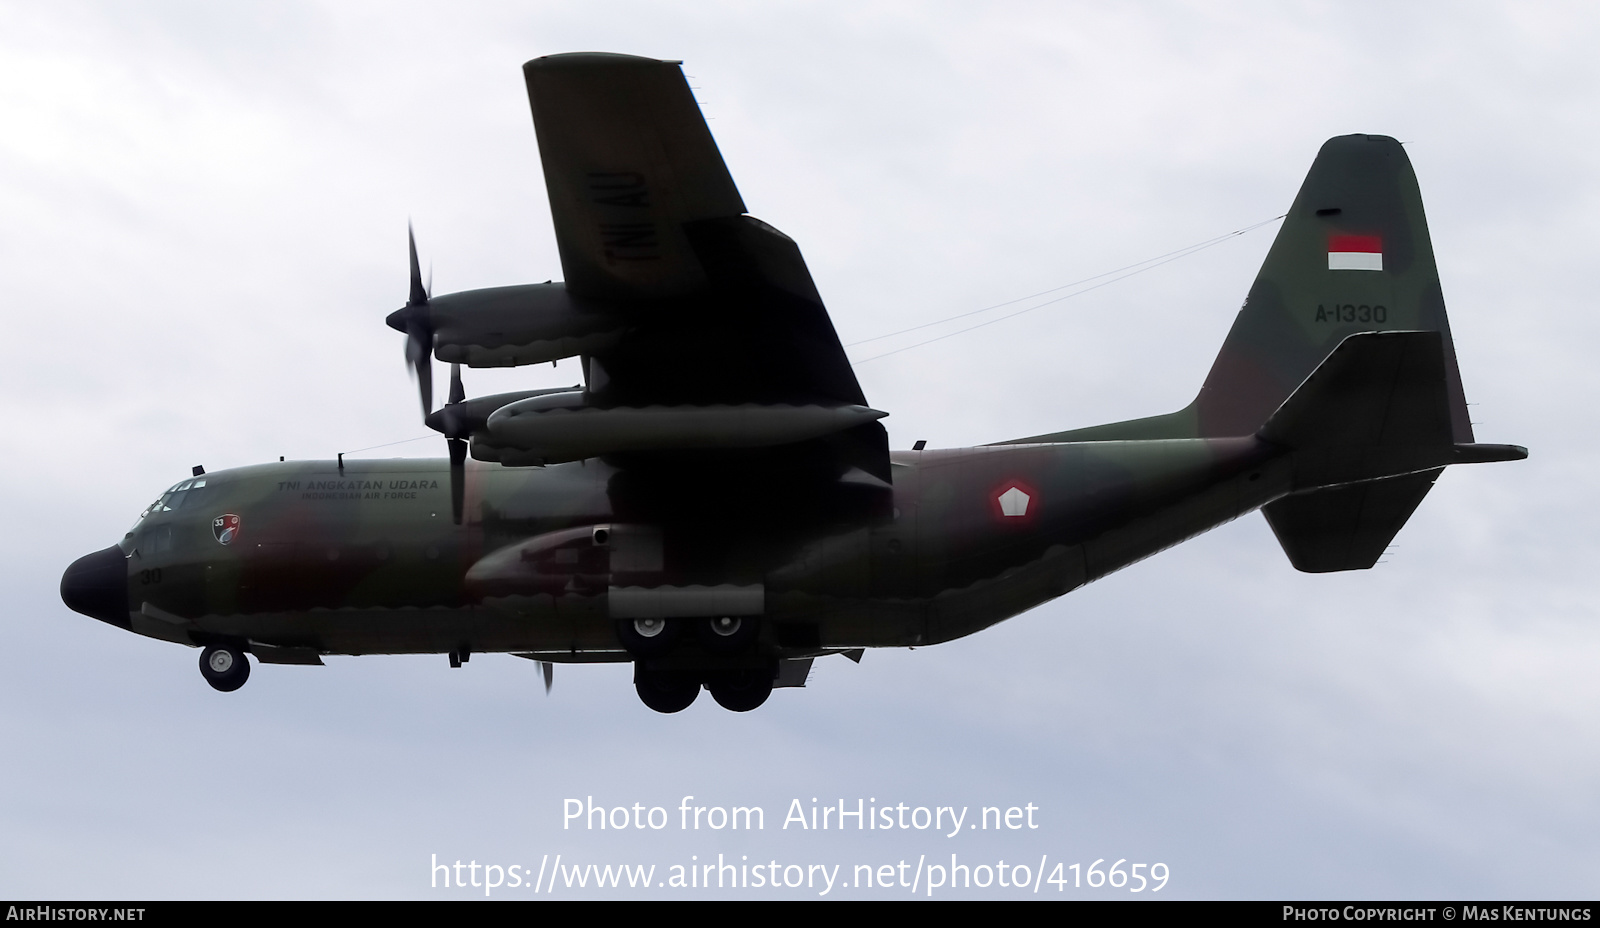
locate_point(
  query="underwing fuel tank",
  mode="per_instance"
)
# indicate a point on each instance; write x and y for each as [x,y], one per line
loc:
[563,427]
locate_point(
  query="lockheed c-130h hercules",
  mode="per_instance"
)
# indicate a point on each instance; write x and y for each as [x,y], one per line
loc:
[718,504]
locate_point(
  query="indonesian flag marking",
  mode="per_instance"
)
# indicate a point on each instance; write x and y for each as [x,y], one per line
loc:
[1355,253]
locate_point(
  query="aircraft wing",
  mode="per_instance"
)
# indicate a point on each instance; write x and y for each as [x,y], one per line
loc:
[627,161]
[720,307]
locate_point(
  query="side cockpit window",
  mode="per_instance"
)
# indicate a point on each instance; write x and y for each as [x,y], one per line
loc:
[156,541]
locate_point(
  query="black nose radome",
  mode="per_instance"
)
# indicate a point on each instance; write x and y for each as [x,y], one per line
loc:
[97,586]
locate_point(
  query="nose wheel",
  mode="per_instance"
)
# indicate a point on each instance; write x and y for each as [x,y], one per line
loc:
[225,668]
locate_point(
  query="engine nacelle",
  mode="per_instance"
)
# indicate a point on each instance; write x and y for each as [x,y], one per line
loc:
[512,326]
[471,417]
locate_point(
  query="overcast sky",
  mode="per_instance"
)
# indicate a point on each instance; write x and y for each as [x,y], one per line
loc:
[202,226]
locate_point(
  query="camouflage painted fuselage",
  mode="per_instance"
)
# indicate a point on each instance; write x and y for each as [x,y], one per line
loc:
[728,507]
[368,560]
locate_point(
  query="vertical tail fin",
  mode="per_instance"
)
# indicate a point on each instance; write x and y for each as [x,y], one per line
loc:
[1371,432]
[1353,255]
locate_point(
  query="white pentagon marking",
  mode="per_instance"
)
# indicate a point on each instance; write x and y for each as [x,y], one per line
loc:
[1014,502]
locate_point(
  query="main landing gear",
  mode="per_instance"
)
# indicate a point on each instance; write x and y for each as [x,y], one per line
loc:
[669,670]
[225,668]
[742,689]
[649,637]
[738,690]
[665,690]
[729,634]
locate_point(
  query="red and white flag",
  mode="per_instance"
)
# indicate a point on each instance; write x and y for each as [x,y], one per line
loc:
[1355,253]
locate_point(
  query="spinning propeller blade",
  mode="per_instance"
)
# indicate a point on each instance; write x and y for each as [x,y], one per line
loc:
[458,477]
[457,392]
[453,430]
[418,328]
[415,320]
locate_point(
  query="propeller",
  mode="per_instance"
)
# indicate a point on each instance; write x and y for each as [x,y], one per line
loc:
[457,392]
[456,431]
[549,675]
[415,320]
[458,445]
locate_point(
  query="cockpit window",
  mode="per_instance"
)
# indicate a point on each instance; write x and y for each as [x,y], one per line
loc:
[175,498]
[188,494]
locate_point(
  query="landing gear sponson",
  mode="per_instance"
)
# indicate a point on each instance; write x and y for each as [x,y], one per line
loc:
[673,660]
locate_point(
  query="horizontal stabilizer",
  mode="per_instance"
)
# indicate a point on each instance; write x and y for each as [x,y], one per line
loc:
[1369,431]
[1376,388]
[1377,407]
[1488,454]
[1346,527]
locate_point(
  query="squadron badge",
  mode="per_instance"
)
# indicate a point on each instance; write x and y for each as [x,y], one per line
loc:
[225,527]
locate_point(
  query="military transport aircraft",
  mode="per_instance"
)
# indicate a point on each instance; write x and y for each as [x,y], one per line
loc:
[718,503]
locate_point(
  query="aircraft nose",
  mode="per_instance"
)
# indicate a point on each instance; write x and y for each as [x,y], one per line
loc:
[97,586]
